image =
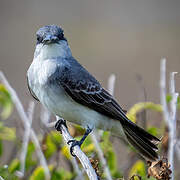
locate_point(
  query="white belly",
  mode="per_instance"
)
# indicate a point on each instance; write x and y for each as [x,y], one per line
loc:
[59,103]
[62,105]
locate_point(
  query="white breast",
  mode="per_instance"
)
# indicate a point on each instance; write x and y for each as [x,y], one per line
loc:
[55,98]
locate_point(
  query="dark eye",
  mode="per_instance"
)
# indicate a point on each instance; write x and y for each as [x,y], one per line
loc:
[39,39]
[61,36]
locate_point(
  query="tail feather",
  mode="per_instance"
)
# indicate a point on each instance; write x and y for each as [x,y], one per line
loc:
[144,142]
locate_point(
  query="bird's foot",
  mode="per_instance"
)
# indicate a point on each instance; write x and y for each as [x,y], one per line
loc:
[79,143]
[59,124]
[73,144]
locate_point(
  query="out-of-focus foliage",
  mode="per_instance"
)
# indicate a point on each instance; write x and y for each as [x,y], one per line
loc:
[138,168]
[169,98]
[5,102]
[7,133]
[110,155]
[131,114]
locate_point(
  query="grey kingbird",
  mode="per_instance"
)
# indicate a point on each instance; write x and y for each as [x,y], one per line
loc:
[68,90]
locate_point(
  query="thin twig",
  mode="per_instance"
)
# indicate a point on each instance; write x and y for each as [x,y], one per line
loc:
[27,132]
[111,83]
[101,155]
[169,116]
[26,123]
[79,154]
[172,124]
[77,170]
[163,90]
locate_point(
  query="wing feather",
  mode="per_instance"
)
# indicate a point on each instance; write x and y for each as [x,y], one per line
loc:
[92,95]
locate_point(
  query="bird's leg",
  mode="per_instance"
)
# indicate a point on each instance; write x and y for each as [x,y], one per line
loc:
[79,143]
[59,123]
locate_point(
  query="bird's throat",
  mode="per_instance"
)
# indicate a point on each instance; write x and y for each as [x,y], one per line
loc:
[50,51]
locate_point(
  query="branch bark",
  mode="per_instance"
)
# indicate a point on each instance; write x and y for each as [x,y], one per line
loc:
[169,115]
[26,137]
[79,154]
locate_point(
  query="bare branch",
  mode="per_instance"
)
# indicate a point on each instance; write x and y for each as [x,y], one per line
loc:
[101,155]
[169,116]
[163,90]
[79,154]
[27,132]
[26,123]
[111,83]
[172,122]
[77,170]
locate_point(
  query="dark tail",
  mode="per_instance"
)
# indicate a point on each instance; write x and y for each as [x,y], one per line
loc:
[144,142]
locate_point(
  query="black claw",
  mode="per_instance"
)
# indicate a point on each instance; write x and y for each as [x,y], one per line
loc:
[74,143]
[78,143]
[59,124]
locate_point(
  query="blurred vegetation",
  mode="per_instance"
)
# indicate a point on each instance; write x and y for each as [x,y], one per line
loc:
[54,148]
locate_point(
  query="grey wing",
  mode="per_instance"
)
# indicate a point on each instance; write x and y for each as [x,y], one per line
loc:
[86,90]
[31,92]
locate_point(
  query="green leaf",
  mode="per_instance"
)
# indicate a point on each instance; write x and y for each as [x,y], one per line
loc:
[38,174]
[88,146]
[56,138]
[110,155]
[50,146]
[138,168]
[30,161]
[62,175]
[168,98]
[153,131]
[112,161]
[14,166]
[5,102]
[6,174]
[7,133]
[131,114]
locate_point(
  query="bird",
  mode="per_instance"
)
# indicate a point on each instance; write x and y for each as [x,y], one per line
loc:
[68,90]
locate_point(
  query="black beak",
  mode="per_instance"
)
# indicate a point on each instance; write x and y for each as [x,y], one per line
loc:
[50,39]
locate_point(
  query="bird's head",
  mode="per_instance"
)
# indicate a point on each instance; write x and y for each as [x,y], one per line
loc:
[51,43]
[50,34]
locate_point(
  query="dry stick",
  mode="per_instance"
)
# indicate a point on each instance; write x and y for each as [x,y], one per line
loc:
[163,90]
[101,155]
[111,83]
[26,123]
[79,154]
[27,131]
[77,170]
[95,134]
[172,124]
[170,117]
[45,117]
